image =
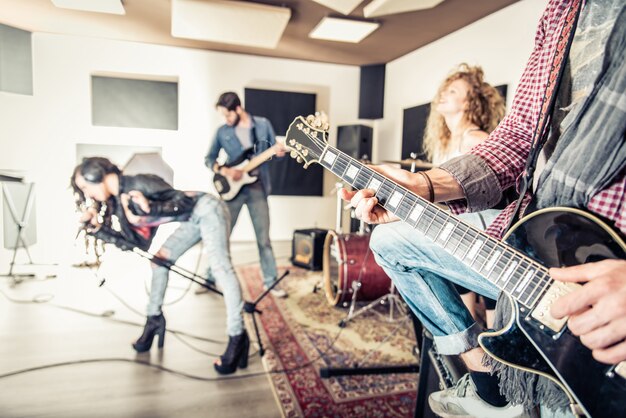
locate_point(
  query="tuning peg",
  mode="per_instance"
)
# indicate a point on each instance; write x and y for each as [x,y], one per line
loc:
[293,154]
[292,142]
[299,159]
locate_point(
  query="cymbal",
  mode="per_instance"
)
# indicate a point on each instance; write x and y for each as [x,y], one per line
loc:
[408,162]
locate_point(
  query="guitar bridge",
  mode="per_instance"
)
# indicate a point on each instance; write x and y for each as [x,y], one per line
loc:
[541,313]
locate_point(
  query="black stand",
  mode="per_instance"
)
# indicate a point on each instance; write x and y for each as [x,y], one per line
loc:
[250,307]
[21,224]
[326,372]
[159,261]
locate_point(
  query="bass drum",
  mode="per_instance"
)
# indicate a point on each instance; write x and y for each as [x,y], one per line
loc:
[346,257]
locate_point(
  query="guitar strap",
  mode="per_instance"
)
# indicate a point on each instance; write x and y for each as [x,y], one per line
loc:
[542,130]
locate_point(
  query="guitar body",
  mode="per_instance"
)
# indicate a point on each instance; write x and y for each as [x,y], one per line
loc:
[560,237]
[228,188]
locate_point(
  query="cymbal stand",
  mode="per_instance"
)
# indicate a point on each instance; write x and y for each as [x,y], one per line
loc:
[391,299]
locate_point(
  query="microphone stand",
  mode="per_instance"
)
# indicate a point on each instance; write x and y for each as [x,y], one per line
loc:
[250,307]
[159,261]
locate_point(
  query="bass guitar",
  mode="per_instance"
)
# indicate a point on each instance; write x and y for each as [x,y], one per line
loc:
[533,340]
[228,188]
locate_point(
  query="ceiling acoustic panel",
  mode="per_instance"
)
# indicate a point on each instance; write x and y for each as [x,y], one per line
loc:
[342,6]
[389,7]
[100,6]
[343,30]
[229,22]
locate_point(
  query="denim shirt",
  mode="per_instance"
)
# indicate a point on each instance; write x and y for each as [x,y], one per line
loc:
[225,138]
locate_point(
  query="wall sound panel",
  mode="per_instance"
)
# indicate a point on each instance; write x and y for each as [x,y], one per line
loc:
[132,103]
[281,108]
[372,92]
[16,60]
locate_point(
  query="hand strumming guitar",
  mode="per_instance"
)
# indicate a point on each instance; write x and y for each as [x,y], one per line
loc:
[597,310]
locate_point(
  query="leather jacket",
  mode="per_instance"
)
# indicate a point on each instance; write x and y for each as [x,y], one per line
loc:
[166,205]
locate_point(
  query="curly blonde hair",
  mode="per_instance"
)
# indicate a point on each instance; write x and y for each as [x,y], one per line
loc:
[485,108]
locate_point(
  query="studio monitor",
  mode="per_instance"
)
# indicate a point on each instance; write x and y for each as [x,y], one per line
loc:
[355,140]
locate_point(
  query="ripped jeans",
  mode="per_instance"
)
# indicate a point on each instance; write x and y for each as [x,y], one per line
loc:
[210,223]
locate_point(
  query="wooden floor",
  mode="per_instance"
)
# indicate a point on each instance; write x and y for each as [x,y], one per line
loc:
[77,320]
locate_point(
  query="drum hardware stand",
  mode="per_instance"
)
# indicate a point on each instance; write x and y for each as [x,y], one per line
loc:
[391,299]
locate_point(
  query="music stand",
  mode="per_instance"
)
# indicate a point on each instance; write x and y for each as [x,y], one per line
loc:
[20,222]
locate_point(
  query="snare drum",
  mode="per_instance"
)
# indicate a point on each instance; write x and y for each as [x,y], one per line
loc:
[346,258]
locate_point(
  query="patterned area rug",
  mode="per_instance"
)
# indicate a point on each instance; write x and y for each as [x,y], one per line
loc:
[301,334]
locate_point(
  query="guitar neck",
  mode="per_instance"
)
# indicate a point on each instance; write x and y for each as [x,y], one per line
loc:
[260,159]
[511,271]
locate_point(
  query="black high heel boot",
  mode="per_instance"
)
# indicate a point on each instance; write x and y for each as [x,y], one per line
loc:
[236,354]
[155,325]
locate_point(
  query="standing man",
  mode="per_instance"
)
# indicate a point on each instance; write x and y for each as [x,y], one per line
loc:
[243,133]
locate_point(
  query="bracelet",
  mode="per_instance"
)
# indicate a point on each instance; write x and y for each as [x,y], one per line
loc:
[429,183]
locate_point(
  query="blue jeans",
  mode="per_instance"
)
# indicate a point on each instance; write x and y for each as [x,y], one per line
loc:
[424,274]
[209,223]
[255,198]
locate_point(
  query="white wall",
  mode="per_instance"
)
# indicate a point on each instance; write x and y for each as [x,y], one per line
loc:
[39,133]
[500,43]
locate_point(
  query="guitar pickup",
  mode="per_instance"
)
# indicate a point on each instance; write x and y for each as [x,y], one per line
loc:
[541,313]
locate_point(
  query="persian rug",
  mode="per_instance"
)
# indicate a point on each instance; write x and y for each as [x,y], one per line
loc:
[301,335]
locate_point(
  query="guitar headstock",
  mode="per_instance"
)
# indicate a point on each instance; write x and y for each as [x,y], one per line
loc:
[307,138]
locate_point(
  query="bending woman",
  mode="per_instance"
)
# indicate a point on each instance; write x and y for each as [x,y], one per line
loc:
[141,203]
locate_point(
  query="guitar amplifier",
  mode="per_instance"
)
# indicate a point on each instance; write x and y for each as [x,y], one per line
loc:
[307,248]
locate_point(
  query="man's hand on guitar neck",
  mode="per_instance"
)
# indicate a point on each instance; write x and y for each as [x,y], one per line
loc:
[597,310]
[366,205]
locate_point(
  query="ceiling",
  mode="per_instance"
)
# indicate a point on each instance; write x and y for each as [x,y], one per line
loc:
[149,21]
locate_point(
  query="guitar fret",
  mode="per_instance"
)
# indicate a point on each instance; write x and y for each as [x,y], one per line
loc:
[453,252]
[446,233]
[539,288]
[499,267]
[524,278]
[405,206]
[534,285]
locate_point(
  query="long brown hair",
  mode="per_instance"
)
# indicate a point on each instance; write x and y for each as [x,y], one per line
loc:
[485,108]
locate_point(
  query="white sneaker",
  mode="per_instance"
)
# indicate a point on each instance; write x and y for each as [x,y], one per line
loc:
[278,293]
[462,400]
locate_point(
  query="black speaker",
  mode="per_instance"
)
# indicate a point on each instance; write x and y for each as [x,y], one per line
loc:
[307,248]
[372,91]
[355,140]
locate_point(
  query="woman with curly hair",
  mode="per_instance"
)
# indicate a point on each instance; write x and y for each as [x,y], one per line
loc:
[463,113]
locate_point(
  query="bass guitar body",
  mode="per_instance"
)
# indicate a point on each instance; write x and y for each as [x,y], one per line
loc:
[228,188]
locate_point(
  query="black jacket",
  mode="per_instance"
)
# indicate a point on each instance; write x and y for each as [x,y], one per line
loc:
[166,205]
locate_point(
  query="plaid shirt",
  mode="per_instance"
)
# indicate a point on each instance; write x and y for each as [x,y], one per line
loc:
[499,162]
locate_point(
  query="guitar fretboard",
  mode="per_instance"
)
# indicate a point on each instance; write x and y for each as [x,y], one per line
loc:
[511,271]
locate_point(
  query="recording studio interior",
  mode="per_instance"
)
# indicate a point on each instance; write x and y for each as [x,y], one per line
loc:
[151,268]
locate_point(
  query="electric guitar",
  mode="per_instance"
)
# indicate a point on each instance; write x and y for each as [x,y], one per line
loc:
[229,188]
[533,340]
